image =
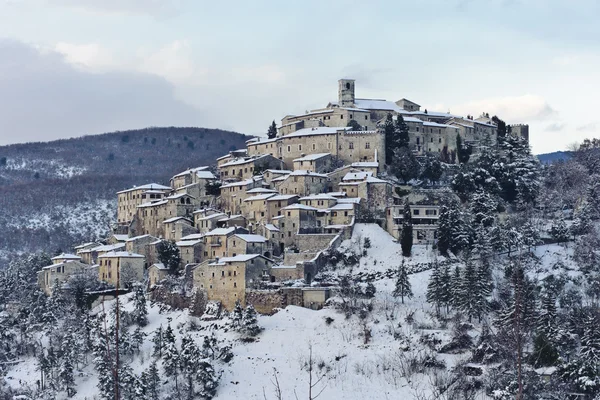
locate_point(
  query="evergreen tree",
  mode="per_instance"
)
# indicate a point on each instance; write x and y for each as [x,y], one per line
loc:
[168,254]
[389,132]
[472,298]
[463,152]
[544,353]
[404,165]
[157,341]
[207,379]
[140,311]
[483,208]
[454,232]
[432,170]
[559,230]
[272,132]
[137,339]
[446,287]
[402,138]
[434,287]
[171,361]
[236,315]
[250,322]
[153,382]
[406,240]
[403,287]
[189,361]
[455,287]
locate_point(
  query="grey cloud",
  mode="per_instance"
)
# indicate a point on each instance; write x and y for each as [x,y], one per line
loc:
[42,97]
[589,127]
[556,127]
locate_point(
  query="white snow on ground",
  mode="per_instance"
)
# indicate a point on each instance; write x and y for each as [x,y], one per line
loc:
[355,369]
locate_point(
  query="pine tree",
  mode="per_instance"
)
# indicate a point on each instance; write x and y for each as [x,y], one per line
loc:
[272,132]
[153,382]
[559,230]
[434,287]
[472,299]
[137,339]
[463,152]
[189,361]
[236,315]
[157,341]
[168,254]
[171,357]
[454,232]
[483,208]
[406,240]
[140,311]
[250,322]
[390,140]
[208,380]
[455,287]
[446,287]
[403,287]
[402,138]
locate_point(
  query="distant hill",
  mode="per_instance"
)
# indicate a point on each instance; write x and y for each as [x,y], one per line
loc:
[549,158]
[55,193]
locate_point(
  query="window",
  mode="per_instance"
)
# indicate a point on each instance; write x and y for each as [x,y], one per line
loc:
[351,145]
[234,273]
[314,146]
[430,212]
[431,140]
[222,274]
[289,148]
[367,145]
[366,117]
[299,147]
[418,140]
[235,284]
[440,140]
[416,212]
[342,116]
[417,129]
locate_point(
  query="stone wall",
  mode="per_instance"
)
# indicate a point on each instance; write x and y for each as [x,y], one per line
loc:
[314,242]
[195,302]
[265,301]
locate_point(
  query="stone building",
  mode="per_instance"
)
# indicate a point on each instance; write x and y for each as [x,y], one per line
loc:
[424,221]
[128,200]
[156,273]
[241,243]
[520,130]
[247,167]
[216,243]
[59,271]
[206,219]
[90,256]
[226,279]
[150,216]
[177,227]
[234,193]
[277,202]
[317,162]
[122,265]
[191,251]
[142,245]
[302,183]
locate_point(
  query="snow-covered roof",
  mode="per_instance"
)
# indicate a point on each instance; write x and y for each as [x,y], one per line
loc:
[280,171]
[238,258]
[261,140]
[212,216]
[220,231]
[280,179]
[260,197]
[377,104]
[357,176]
[299,206]
[179,195]
[160,266]
[312,157]
[153,204]
[303,172]
[174,219]
[435,124]
[120,254]
[190,171]
[242,160]
[365,164]
[321,130]
[342,206]
[66,256]
[71,262]
[120,237]
[260,190]
[108,247]
[245,182]
[318,196]
[205,175]
[187,243]
[149,186]
[349,200]
[133,239]
[193,236]
[372,179]
[250,238]
[88,244]
[337,194]
[271,227]
[280,197]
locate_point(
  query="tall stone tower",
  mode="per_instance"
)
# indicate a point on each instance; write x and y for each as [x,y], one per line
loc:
[346,92]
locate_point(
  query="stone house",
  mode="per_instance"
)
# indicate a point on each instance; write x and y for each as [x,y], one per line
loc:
[86,246]
[241,243]
[255,207]
[206,220]
[247,167]
[216,243]
[177,227]
[303,183]
[191,251]
[59,271]
[128,200]
[122,265]
[150,216]
[156,273]
[295,219]
[376,192]
[317,162]
[276,203]
[424,219]
[142,245]
[226,279]
[234,193]
[240,153]
[199,175]
[64,257]
[341,214]
[90,256]
[320,200]
[117,238]
[271,174]
[258,146]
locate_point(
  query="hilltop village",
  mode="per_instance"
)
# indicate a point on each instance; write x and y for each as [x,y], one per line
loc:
[259,227]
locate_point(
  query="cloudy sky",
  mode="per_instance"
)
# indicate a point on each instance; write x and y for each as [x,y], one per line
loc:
[75,67]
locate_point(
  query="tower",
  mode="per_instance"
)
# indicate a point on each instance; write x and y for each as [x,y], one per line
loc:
[346,92]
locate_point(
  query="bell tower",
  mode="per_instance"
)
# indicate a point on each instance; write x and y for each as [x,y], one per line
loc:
[346,92]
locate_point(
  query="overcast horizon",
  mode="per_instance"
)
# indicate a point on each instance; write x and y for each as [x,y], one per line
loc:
[70,68]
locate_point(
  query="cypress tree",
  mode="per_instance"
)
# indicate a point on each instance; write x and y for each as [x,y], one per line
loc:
[272,132]
[406,240]
[401,133]
[390,139]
